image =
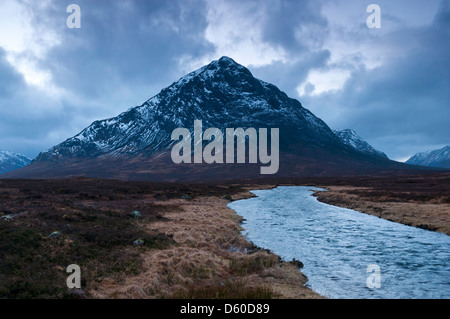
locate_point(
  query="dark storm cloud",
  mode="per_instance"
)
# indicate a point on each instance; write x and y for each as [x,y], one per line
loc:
[124,53]
[22,126]
[403,106]
[299,29]
[293,25]
[13,125]
[287,75]
[9,78]
[132,43]
[127,51]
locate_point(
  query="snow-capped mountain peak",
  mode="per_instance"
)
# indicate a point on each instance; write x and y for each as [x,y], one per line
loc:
[224,65]
[434,158]
[351,138]
[137,143]
[221,94]
[10,161]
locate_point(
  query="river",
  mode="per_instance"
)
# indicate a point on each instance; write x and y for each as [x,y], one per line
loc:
[347,254]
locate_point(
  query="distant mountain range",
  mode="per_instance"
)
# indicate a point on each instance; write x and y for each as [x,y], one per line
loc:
[223,94]
[350,138]
[433,158]
[10,161]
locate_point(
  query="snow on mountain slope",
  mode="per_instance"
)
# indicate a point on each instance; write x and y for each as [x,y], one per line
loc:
[433,158]
[10,161]
[136,144]
[222,94]
[350,138]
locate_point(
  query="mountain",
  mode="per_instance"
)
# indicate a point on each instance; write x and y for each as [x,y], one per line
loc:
[433,158]
[350,138]
[10,161]
[223,94]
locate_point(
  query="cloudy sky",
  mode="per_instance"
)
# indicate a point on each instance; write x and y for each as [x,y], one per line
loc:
[392,84]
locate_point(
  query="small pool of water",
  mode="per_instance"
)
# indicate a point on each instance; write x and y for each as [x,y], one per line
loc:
[337,245]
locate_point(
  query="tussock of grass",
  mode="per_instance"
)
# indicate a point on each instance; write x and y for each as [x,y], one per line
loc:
[255,263]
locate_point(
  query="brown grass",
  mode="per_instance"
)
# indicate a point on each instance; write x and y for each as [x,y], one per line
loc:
[211,260]
[228,289]
[422,202]
[193,247]
[93,217]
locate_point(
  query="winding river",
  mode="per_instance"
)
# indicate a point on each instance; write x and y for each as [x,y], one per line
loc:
[347,254]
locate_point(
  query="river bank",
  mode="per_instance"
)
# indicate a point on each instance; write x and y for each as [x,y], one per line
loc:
[184,243]
[337,246]
[208,235]
[193,246]
[418,201]
[211,259]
